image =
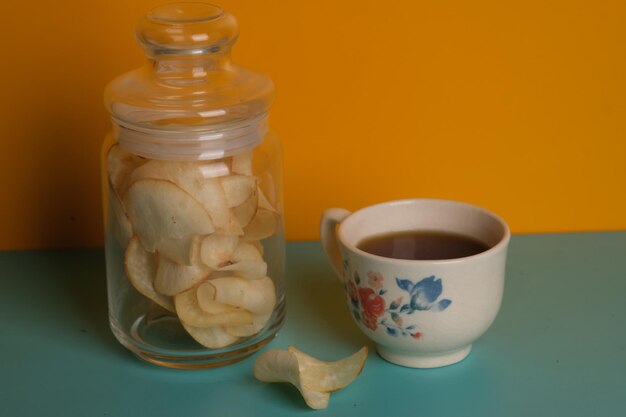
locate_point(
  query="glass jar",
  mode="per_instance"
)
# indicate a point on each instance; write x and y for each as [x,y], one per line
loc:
[194,236]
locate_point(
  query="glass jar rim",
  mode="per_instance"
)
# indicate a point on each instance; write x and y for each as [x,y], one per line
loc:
[220,141]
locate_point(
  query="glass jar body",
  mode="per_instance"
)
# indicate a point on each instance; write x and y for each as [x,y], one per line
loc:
[194,253]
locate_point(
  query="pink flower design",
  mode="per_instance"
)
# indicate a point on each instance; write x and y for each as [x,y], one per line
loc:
[372,303]
[373,307]
[371,322]
[375,280]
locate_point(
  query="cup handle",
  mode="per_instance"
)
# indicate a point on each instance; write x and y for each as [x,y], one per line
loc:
[328,232]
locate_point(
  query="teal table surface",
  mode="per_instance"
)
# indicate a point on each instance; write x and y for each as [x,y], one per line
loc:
[557,348]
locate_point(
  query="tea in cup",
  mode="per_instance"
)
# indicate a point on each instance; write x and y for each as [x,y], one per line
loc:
[423,278]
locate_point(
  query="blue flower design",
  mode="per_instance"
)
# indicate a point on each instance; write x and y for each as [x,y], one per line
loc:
[424,295]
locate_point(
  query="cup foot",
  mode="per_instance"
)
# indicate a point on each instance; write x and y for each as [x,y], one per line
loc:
[422,360]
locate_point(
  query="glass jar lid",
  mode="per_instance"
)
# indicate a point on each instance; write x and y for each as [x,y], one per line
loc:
[190,102]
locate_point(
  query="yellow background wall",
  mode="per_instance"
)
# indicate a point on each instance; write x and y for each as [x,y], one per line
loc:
[518,106]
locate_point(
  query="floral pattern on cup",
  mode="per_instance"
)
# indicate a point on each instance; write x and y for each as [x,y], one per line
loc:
[370,308]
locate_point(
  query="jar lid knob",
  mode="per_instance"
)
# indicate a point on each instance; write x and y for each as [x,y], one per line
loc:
[187,29]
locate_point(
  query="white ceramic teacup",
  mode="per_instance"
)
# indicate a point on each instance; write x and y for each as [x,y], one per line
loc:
[420,313]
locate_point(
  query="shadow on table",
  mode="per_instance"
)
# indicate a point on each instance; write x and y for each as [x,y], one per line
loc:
[69,289]
[316,308]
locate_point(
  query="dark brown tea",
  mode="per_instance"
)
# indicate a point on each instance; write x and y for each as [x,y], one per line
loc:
[422,245]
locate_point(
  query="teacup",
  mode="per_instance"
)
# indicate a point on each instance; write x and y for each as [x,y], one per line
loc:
[420,313]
